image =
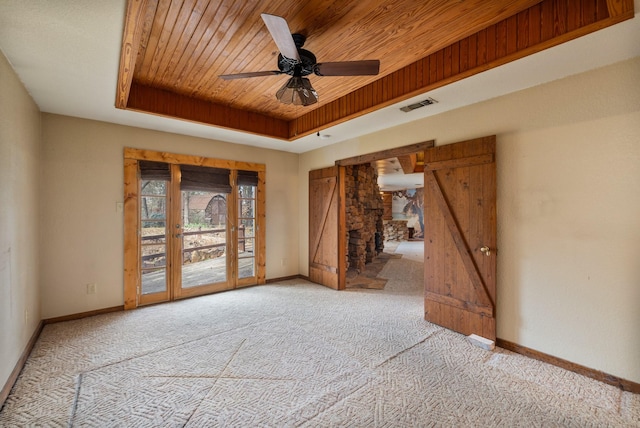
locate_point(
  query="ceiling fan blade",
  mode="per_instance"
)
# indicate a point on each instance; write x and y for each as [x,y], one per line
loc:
[369,67]
[250,74]
[280,34]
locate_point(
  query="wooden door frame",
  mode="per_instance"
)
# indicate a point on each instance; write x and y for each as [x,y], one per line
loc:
[386,154]
[132,156]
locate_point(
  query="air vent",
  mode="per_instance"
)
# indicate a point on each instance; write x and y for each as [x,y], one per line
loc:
[426,102]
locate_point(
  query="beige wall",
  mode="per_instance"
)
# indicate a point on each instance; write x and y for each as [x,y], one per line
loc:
[568,219]
[568,210]
[82,233]
[19,154]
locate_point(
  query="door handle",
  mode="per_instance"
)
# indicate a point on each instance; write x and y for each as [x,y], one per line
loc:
[485,250]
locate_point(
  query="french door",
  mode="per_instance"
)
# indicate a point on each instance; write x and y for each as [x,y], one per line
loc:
[198,229]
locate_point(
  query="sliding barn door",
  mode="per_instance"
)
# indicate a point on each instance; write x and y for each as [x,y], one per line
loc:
[460,236]
[326,227]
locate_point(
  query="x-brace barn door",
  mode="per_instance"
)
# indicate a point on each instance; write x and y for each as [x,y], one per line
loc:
[460,236]
[326,227]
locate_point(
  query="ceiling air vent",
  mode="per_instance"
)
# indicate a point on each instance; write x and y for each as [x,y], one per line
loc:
[426,102]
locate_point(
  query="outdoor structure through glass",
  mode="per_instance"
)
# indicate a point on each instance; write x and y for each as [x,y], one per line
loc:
[153,241]
[204,238]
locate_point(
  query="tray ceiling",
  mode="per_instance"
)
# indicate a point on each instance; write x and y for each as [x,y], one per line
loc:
[173,52]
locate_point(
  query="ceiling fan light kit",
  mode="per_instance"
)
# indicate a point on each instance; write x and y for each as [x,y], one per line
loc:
[297,62]
[298,91]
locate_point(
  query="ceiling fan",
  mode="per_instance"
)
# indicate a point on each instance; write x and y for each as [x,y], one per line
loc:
[298,62]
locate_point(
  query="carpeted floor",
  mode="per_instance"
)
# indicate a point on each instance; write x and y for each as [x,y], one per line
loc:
[296,354]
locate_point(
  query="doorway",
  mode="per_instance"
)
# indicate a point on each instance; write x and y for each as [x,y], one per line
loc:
[459,231]
[193,226]
[384,206]
[328,242]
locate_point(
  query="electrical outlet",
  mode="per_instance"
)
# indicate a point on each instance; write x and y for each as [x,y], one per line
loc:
[92,288]
[119,207]
[283,262]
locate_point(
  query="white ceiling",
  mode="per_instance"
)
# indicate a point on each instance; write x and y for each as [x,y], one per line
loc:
[67,55]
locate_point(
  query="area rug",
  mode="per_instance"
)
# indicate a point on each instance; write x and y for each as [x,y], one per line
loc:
[370,277]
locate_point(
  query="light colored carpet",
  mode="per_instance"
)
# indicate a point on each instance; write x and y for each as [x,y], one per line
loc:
[296,354]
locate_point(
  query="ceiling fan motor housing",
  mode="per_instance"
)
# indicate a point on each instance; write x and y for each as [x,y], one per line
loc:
[293,67]
[305,66]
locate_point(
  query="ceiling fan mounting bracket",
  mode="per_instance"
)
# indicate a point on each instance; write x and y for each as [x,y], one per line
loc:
[299,39]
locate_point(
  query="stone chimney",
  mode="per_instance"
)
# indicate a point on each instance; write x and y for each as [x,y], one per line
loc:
[364,209]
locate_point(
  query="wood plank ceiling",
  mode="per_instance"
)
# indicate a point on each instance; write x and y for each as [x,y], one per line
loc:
[174,50]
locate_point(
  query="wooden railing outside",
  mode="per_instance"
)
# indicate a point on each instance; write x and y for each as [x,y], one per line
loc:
[241,243]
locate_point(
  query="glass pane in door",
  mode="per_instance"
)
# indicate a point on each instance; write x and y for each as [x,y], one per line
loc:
[204,238]
[246,231]
[153,236]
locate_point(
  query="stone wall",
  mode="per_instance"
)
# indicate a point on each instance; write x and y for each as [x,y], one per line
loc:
[364,208]
[396,230]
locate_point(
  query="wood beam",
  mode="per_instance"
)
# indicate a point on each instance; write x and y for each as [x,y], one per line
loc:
[166,103]
[133,26]
[386,154]
[408,163]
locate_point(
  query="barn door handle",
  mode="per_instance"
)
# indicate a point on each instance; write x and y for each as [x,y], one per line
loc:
[485,250]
